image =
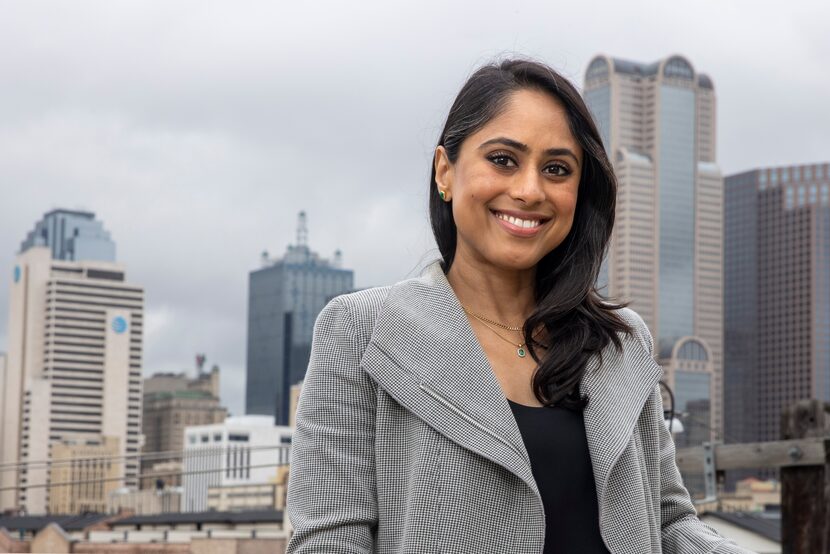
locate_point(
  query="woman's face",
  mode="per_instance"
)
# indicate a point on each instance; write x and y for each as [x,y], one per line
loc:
[514,185]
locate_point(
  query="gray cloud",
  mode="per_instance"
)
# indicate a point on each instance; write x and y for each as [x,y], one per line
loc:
[197,130]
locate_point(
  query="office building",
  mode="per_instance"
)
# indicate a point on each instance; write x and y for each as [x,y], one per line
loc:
[657,122]
[777,295]
[284,298]
[72,235]
[243,450]
[74,359]
[173,401]
[90,467]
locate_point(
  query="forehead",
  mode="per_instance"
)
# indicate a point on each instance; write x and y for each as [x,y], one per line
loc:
[533,117]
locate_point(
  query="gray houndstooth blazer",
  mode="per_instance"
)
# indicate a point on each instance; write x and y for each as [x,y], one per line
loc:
[405,442]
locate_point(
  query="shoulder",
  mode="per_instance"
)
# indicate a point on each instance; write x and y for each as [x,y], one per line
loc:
[639,327]
[360,308]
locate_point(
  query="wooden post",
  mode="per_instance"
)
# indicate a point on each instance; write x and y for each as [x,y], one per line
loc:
[805,489]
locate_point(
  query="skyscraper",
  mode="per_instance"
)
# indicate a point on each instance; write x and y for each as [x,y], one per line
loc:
[74,355]
[171,403]
[72,235]
[658,124]
[284,298]
[777,300]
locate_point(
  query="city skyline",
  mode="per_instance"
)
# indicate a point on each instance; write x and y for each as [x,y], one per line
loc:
[200,160]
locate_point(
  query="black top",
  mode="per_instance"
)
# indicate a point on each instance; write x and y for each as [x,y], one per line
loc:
[555,441]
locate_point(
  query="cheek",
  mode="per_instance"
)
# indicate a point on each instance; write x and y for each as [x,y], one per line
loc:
[565,201]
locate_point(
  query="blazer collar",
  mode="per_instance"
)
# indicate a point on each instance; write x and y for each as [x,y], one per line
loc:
[424,353]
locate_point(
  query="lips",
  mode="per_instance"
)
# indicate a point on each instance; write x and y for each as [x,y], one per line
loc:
[519,219]
[522,224]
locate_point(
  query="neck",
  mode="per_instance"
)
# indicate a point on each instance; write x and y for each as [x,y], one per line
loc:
[504,295]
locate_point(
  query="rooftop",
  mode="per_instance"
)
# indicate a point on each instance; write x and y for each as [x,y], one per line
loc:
[36,523]
[766,524]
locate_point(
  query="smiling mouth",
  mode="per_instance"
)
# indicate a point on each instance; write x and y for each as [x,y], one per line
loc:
[518,222]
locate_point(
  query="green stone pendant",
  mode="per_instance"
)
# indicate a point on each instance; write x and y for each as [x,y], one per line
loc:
[521,352]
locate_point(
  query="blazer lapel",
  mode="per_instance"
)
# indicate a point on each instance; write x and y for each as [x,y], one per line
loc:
[424,354]
[617,390]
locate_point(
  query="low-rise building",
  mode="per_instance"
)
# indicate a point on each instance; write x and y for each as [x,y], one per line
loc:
[258,496]
[145,501]
[82,473]
[251,532]
[244,450]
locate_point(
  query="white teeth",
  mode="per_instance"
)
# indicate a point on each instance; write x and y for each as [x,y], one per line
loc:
[524,223]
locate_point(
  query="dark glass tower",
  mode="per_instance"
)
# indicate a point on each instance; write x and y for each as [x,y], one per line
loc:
[777,296]
[284,298]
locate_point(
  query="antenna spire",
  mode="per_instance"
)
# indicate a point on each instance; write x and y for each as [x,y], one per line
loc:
[302,230]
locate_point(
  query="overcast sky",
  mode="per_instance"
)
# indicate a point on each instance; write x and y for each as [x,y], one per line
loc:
[197,130]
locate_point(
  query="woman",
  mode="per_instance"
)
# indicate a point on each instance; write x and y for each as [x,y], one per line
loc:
[496,403]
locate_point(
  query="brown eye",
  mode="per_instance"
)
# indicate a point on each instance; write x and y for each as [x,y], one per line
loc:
[559,170]
[501,159]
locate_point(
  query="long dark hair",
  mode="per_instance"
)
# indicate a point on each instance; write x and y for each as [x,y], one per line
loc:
[578,322]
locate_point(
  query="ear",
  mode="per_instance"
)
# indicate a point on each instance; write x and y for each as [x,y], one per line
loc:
[444,172]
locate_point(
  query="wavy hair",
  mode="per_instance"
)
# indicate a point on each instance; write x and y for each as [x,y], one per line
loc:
[577,321]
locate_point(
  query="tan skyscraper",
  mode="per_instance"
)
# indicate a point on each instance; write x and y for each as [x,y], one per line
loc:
[74,355]
[172,402]
[666,255]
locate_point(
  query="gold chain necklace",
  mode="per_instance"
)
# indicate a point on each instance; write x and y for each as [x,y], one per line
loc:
[521,351]
[496,323]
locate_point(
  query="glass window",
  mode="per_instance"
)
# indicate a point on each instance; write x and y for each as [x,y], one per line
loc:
[217,437]
[825,193]
[762,177]
[785,175]
[801,196]
[192,439]
[789,198]
[813,194]
[205,438]
[773,176]
[808,173]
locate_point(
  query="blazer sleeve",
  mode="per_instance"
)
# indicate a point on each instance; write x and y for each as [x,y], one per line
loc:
[331,489]
[681,531]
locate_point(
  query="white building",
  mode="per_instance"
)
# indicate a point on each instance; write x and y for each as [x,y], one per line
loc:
[242,450]
[73,368]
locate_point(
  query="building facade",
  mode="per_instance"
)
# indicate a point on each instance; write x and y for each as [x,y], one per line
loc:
[777,279]
[284,298]
[145,502]
[74,364]
[173,402]
[243,450]
[657,122]
[90,467]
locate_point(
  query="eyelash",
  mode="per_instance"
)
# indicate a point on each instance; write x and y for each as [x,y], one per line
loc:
[497,155]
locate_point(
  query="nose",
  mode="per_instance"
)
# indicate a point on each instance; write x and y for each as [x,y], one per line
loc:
[528,188]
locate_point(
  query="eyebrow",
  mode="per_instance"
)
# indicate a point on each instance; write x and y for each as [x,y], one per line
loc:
[524,148]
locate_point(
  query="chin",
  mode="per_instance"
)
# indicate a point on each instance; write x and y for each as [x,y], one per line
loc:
[515,263]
